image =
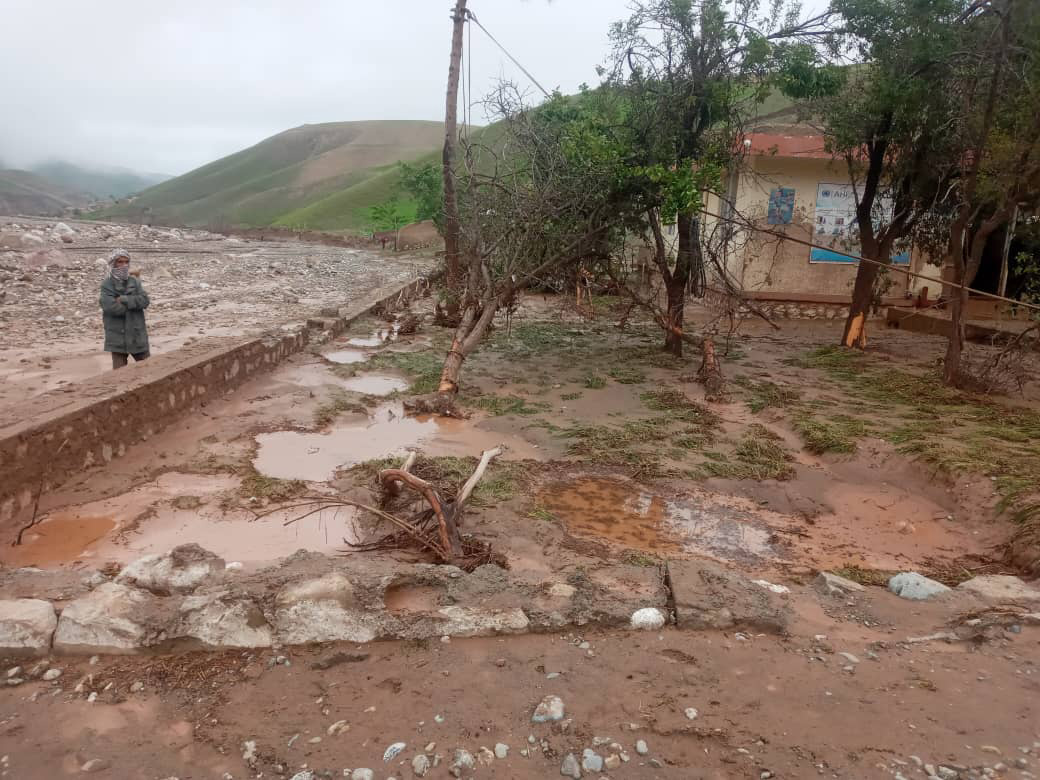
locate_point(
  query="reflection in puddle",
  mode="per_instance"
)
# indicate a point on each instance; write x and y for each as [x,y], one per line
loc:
[315,456]
[375,384]
[146,520]
[346,356]
[622,513]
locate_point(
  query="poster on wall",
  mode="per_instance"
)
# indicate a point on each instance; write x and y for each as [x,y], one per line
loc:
[835,225]
[781,206]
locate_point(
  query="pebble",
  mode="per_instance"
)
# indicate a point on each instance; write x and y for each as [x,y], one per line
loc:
[549,709]
[647,619]
[501,750]
[570,767]
[552,675]
[438,718]
[337,728]
[137,687]
[362,774]
[691,713]
[613,761]
[485,757]
[463,760]
[584,646]
[990,749]
[304,775]
[591,761]
[430,747]
[766,774]
[94,765]
[500,662]
[14,671]
[849,657]
[641,747]
[655,763]
[393,751]
[420,765]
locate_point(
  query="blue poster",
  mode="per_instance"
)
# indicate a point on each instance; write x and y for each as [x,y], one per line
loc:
[781,206]
[835,225]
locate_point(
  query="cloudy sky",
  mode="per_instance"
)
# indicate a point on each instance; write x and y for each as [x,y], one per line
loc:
[168,86]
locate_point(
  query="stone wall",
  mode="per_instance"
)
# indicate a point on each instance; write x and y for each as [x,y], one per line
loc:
[47,440]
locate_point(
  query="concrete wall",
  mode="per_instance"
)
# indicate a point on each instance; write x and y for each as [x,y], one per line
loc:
[54,436]
[763,263]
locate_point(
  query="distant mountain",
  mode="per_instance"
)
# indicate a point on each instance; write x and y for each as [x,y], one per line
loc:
[23,192]
[321,177]
[109,182]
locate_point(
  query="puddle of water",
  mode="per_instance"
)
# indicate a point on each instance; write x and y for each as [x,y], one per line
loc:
[59,538]
[316,456]
[377,339]
[143,521]
[622,513]
[375,384]
[412,598]
[346,356]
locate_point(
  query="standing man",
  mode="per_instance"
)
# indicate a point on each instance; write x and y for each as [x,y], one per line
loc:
[123,301]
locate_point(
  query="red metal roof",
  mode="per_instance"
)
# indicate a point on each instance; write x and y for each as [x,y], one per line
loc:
[778,145]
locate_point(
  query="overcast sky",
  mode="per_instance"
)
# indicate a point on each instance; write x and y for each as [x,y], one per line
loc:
[168,86]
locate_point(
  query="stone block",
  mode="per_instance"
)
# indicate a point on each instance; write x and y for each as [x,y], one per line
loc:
[26,625]
[709,596]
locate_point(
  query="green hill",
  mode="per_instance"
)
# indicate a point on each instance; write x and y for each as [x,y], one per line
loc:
[22,192]
[313,176]
[101,182]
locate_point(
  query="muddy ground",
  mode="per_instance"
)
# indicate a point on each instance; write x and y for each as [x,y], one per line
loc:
[202,286]
[818,460]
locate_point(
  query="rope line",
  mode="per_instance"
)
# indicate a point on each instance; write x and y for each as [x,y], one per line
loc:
[505,52]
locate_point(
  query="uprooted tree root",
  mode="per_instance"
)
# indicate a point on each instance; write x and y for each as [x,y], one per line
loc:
[433,530]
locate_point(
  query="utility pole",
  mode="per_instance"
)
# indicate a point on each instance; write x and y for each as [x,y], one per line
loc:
[451,204]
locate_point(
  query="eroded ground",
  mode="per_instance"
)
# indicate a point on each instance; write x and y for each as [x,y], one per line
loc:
[202,286]
[819,460]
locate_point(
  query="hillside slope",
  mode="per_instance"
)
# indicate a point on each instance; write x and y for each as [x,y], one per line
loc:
[101,182]
[22,192]
[286,173]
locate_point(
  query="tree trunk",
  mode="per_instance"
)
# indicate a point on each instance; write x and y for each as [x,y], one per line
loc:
[677,281]
[955,346]
[855,333]
[451,205]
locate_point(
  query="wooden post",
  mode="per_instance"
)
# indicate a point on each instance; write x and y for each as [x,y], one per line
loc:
[451,205]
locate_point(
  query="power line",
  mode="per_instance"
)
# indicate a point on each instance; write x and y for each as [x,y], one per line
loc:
[527,73]
[860,258]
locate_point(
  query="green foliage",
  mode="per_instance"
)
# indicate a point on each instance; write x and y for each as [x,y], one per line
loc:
[497,405]
[759,455]
[388,215]
[424,183]
[423,367]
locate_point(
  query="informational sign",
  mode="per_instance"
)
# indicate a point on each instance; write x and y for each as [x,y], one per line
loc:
[781,206]
[835,225]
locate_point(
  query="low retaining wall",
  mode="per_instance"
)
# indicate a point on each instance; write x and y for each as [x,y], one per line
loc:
[778,306]
[45,441]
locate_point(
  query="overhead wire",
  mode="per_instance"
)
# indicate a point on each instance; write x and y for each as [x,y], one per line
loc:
[514,60]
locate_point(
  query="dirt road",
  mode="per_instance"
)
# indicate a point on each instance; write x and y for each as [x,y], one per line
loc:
[202,286]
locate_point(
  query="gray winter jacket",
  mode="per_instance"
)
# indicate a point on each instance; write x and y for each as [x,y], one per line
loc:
[125,330]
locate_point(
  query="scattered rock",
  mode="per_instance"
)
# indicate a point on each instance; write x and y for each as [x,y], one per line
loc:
[647,619]
[485,757]
[420,765]
[501,750]
[362,774]
[1001,587]
[393,751]
[304,775]
[613,761]
[849,657]
[337,728]
[691,713]
[221,619]
[832,585]
[462,760]
[570,767]
[322,610]
[549,709]
[641,747]
[181,570]
[52,674]
[478,621]
[94,765]
[916,587]
[26,625]
[591,761]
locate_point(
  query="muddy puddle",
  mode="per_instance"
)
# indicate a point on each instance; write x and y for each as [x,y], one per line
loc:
[313,375]
[346,356]
[377,339]
[375,384]
[626,515]
[159,515]
[315,456]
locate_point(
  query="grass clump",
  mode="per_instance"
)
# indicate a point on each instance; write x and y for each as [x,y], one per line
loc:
[619,445]
[256,485]
[759,455]
[877,577]
[839,362]
[498,405]
[423,368]
[594,382]
[838,434]
[626,375]
[334,407]
[570,396]
[766,394]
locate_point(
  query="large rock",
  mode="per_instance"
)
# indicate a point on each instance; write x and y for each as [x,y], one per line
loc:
[26,625]
[324,609]
[832,585]
[222,619]
[916,587]
[112,618]
[181,570]
[709,596]
[477,621]
[1001,587]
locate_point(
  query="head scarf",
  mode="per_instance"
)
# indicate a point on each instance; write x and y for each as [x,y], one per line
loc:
[119,273]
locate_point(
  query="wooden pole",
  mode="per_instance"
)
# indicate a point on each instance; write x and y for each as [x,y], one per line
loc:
[451,205]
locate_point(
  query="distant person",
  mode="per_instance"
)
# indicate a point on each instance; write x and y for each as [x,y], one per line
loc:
[123,301]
